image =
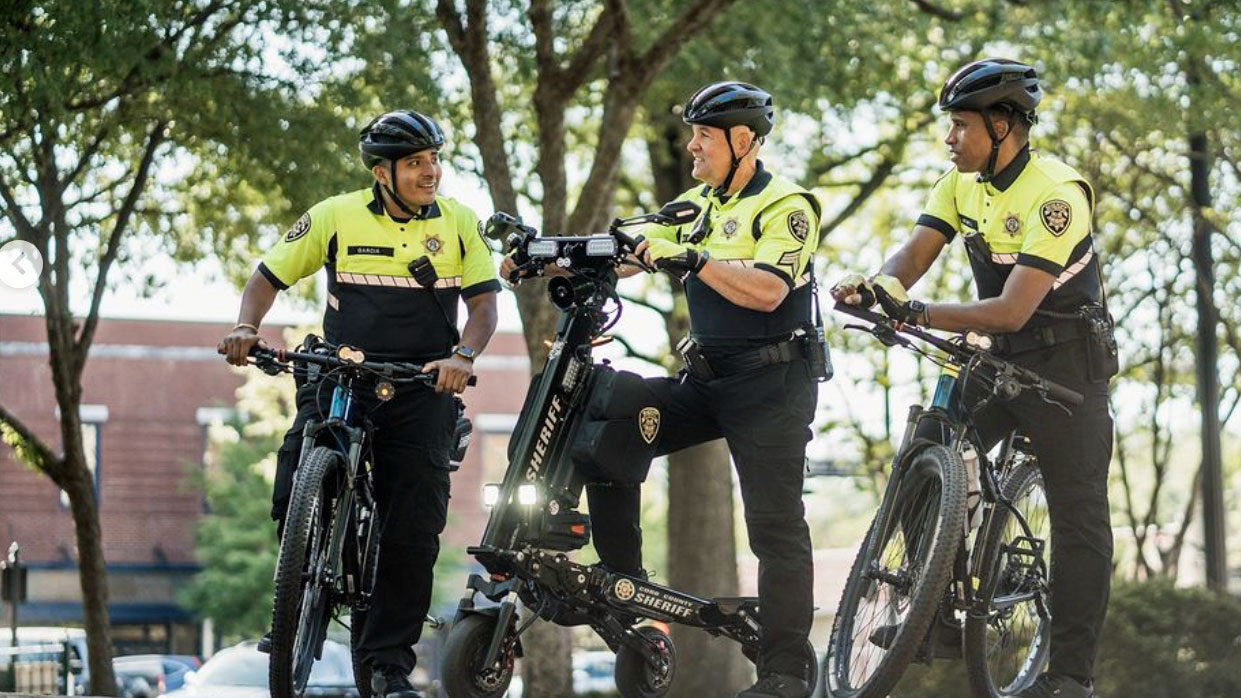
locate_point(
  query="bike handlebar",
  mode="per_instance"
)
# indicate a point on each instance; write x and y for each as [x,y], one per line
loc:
[892,333]
[398,371]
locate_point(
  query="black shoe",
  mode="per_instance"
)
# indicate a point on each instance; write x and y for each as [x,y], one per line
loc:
[778,686]
[391,682]
[264,645]
[947,644]
[1057,686]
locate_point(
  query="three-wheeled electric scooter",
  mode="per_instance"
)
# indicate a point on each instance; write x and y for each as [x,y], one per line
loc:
[535,520]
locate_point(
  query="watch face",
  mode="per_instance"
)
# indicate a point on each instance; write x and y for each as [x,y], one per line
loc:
[467,352]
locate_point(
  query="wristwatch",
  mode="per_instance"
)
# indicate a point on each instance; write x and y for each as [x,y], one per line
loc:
[467,353]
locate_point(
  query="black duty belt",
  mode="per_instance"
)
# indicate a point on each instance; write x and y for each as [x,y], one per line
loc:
[732,363]
[1033,338]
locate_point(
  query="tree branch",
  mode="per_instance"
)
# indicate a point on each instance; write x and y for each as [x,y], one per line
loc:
[580,64]
[470,45]
[645,304]
[936,11]
[696,19]
[113,247]
[29,447]
[631,351]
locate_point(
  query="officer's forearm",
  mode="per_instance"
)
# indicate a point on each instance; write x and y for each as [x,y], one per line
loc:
[481,323]
[747,287]
[917,255]
[990,315]
[256,299]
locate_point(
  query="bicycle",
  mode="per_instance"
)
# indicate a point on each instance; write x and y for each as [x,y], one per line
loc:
[929,551]
[329,550]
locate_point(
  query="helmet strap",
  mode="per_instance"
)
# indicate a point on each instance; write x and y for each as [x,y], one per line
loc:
[391,189]
[988,172]
[732,171]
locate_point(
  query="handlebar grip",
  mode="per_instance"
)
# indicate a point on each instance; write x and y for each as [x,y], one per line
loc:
[628,241]
[1063,393]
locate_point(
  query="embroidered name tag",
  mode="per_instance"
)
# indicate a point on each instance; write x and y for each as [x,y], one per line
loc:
[969,222]
[370,250]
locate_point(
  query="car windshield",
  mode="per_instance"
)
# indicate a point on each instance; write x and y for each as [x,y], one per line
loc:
[246,666]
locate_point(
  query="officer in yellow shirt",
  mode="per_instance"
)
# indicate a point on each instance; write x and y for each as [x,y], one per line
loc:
[398,257]
[746,265]
[1025,221]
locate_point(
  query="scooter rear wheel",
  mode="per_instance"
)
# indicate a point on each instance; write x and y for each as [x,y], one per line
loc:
[638,678]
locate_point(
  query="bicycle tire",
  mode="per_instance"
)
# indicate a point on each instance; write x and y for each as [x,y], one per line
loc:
[985,635]
[299,622]
[932,494]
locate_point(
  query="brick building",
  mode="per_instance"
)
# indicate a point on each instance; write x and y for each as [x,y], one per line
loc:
[150,390]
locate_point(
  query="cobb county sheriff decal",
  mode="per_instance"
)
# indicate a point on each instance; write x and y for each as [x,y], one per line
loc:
[1012,224]
[433,244]
[648,424]
[624,590]
[799,225]
[300,228]
[730,227]
[1056,215]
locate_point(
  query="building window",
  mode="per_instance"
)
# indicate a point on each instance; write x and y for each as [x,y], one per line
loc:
[492,434]
[93,418]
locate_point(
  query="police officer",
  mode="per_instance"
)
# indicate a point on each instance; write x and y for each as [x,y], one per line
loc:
[1025,220]
[398,257]
[746,265]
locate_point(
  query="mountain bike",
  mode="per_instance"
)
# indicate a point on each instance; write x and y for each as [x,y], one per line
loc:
[329,550]
[949,539]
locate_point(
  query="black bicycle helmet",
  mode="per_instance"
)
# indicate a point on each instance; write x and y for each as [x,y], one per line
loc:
[990,83]
[993,84]
[398,134]
[727,104]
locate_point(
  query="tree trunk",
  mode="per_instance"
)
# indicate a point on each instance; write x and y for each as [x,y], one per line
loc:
[547,668]
[702,555]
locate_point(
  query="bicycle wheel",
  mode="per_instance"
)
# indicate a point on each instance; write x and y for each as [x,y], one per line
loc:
[898,578]
[1006,649]
[303,602]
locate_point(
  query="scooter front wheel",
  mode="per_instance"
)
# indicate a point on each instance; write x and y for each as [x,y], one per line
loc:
[638,676]
[465,651]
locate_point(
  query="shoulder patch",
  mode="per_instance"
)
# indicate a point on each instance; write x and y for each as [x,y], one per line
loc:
[1056,215]
[799,225]
[299,229]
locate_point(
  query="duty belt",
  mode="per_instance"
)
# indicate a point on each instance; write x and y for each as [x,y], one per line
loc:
[1033,338]
[730,364]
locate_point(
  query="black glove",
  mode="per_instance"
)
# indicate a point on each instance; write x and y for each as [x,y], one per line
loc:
[902,309]
[678,260]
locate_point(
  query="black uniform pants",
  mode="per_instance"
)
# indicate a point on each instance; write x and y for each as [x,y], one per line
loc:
[1073,452]
[765,416]
[410,449]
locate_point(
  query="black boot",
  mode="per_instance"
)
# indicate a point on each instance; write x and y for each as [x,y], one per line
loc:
[391,682]
[777,686]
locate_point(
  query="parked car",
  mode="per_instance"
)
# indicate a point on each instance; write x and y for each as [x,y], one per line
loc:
[161,672]
[240,671]
[594,672]
[31,636]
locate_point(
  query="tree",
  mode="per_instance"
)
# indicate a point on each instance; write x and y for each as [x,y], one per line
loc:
[1150,116]
[101,103]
